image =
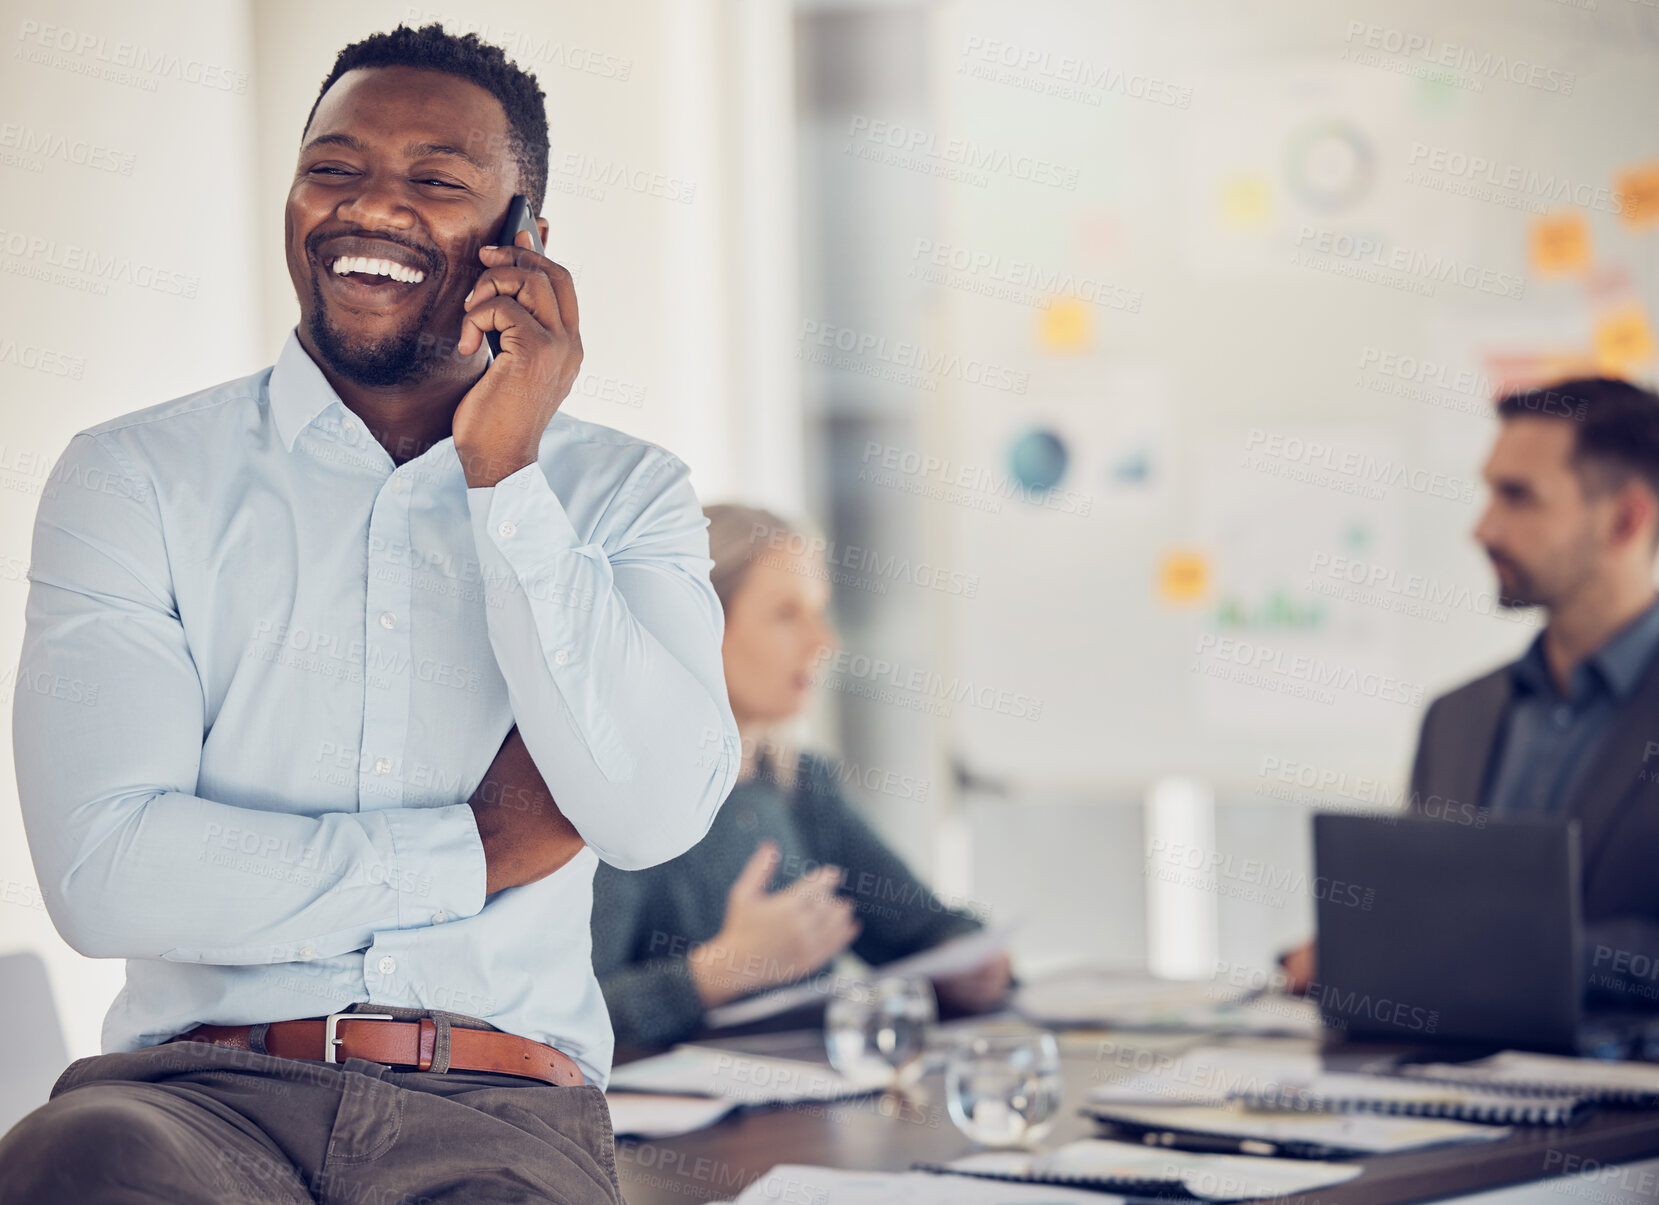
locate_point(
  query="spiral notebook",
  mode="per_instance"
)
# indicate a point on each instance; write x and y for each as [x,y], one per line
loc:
[1604,1081]
[1338,1092]
[1139,1170]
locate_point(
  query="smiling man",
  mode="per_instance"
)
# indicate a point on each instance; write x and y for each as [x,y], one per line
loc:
[343,678]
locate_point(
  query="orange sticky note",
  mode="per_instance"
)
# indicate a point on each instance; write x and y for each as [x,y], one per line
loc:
[1623,338]
[1184,576]
[1560,245]
[1064,325]
[1639,187]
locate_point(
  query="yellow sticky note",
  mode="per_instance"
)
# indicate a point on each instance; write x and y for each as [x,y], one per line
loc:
[1639,189]
[1064,325]
[1246,201]
[1183,577]
[1560,245]
[1623,338]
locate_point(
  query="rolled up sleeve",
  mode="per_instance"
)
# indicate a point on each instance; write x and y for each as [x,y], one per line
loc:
[611,656]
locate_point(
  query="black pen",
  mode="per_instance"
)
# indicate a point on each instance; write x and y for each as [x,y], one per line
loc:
[1218,1144]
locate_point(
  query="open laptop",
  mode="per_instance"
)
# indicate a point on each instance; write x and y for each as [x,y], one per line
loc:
[1437,931]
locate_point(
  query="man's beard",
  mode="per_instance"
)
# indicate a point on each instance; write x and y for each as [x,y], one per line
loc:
[1523,592]
[409,355]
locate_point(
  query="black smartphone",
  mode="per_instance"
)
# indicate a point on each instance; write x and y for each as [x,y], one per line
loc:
[519,218]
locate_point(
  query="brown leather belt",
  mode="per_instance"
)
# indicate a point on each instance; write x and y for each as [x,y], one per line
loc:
[379,1038]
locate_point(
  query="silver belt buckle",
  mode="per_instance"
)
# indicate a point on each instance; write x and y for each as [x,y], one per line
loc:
[331,1043]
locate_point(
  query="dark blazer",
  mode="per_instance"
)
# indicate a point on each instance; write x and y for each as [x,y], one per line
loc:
[1616,803]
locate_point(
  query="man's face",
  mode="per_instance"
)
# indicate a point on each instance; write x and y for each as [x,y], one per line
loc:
[1540,530]
[407,166]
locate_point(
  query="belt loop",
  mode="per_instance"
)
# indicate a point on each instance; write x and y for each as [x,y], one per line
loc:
[256,1037]
[440,1046]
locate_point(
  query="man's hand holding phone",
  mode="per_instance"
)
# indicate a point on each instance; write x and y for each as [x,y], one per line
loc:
[531,301]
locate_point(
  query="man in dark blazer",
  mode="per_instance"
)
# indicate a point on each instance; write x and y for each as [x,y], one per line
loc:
[1571,729]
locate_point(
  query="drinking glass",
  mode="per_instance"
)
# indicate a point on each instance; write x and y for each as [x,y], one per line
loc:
[1003,1085]
[877,1031]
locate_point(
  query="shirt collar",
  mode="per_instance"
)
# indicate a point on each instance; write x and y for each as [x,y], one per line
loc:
[1619,662]
[298,390]
[1531,674]
[1623,658]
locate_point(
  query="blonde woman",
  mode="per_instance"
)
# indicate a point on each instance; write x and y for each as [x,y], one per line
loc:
[788,876]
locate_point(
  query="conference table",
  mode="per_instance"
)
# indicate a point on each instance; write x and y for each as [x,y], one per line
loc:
[891,1132]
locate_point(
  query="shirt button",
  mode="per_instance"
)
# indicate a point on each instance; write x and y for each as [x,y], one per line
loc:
[308,951]
[387,965]
[388,620]
[560,657]
[1563,717]
[507,529]
[439,918]
[382,765]
[350,426]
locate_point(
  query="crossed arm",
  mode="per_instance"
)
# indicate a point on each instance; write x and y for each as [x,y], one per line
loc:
[525,835]
[127,852]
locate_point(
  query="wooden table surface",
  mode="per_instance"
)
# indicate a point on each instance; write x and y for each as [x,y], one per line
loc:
[890,1133]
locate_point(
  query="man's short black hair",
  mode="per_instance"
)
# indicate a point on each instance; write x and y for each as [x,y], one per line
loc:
[1615,424]
[432,49]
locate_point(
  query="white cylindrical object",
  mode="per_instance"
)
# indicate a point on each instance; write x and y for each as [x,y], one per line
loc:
[1182,911]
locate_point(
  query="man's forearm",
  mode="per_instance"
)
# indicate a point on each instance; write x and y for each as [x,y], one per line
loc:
[525,835]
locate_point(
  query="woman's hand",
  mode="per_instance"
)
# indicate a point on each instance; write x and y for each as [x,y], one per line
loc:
[769,938]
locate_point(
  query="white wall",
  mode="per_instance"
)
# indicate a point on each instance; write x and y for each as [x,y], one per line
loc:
[138,209]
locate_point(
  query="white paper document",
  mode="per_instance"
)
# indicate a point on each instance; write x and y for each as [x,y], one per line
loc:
[731,1075]
[1091,997]
[1519,1069]
[652,1115]
[1210,1075]
[794,1183]
[1213,1177]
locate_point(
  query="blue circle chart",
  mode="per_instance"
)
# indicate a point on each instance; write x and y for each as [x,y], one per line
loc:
[1329,165]
[1037,459]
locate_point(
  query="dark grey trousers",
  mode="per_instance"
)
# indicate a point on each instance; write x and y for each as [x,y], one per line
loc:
[186,1122]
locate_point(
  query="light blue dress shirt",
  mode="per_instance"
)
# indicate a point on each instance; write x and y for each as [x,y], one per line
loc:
[264,669]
